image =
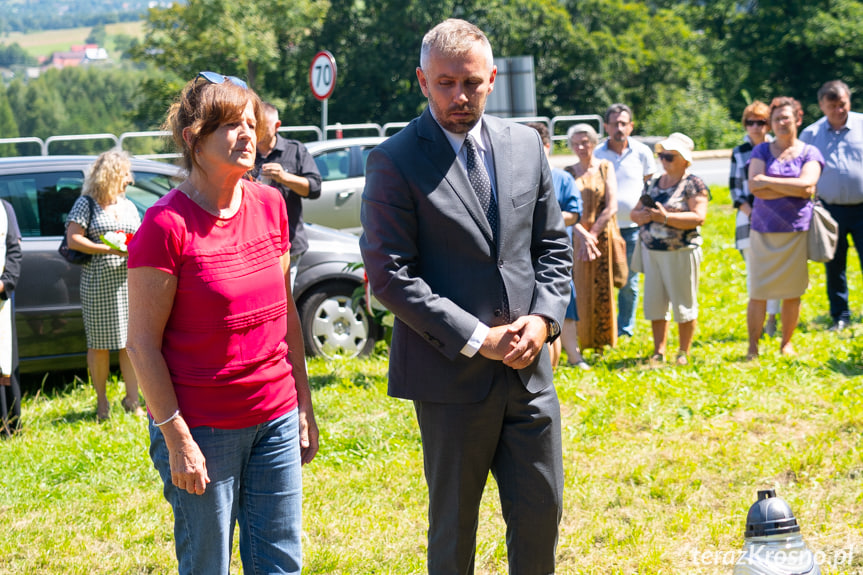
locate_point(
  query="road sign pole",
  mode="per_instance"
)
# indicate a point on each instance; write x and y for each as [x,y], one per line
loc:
[324,118]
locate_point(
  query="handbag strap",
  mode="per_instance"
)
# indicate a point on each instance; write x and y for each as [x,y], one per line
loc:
[90,204]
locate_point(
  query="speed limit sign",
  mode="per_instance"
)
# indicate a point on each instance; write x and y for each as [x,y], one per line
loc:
[322,75]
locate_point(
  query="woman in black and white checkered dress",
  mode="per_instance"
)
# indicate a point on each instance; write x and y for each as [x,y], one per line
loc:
[104,287]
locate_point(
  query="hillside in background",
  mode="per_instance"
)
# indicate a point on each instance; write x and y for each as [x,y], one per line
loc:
[34,15]
[44,43]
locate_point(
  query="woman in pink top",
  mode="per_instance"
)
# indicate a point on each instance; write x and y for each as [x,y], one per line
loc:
[215,338]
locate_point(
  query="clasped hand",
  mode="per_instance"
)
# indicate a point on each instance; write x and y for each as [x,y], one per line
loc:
[517,344]
[645,215]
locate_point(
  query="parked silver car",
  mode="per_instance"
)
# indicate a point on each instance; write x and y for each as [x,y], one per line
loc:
[48,305]
[342,164]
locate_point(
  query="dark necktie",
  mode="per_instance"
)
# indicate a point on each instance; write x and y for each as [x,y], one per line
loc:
[478,177]
[481,184]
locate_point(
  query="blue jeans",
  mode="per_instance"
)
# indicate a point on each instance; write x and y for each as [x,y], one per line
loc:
[627,298]
[850,220]
[256,480]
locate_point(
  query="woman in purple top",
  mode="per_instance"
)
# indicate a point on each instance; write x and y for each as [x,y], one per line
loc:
[782,177]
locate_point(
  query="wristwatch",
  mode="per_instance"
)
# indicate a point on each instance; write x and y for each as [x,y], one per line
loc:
[553,330]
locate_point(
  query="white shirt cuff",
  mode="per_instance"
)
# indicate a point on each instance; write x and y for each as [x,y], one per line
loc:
[475,342]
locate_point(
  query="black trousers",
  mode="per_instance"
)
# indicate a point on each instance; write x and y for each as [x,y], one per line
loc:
[850,220]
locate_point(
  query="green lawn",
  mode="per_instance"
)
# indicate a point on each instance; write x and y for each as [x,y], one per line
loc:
[661,465]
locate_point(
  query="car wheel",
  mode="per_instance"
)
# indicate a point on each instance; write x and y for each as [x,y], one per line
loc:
[333,324]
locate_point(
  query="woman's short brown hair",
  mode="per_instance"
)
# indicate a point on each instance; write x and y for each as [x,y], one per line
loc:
[204,106]
[757,110]
[782,101]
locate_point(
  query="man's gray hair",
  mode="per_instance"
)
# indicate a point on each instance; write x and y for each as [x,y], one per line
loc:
[833,90]
[454,37]
[617,109]
[582,129]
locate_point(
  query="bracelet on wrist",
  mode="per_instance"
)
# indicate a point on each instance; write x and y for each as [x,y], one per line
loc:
[174,416]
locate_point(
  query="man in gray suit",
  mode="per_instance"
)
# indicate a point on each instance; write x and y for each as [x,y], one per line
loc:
[464,242]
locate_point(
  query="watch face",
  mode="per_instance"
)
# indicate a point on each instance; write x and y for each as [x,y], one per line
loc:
[553,329]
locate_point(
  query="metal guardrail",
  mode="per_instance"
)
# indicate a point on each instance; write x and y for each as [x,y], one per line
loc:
[28,140]
[293,129]
[571,120]
[79,138]
[339,129]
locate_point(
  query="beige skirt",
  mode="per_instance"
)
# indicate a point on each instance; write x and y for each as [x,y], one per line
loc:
[778,265]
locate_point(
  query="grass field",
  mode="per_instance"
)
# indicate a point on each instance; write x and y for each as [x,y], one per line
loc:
[661,465]
[46,42]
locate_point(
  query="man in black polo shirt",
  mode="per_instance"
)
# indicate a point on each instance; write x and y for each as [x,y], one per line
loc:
[287,166]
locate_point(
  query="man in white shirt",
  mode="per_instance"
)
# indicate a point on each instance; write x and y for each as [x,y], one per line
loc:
[633,165]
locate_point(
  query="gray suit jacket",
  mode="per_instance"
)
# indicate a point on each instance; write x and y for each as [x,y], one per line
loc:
[431,259]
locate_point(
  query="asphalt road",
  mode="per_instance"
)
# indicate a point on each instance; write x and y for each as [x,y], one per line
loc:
[711,166]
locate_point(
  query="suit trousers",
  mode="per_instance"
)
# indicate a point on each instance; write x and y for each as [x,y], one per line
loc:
[514,434]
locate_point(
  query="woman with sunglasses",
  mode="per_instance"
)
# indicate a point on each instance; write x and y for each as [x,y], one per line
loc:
[215,337]
[103,208]
[757,124]
[669,214]
[782,177]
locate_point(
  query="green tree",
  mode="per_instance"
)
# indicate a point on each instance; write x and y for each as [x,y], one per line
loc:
[98,35]
[376,44]
[82,100]
[123,44]
[627,52]
[15,55]
[771,47]
[8,126]
[254,40]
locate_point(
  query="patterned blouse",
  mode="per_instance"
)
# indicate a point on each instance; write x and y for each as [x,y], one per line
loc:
[660,237]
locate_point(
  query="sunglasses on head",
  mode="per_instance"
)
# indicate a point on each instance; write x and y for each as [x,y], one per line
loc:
[667,156]
[756,122]
[215,78]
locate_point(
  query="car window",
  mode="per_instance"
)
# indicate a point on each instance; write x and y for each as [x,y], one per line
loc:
[334,164]
[41,201]
[147,188]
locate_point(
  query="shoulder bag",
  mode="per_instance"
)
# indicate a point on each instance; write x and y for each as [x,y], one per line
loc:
[74,256]
[823,234]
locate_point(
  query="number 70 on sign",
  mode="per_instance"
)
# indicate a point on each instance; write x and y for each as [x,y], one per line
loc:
[322,75]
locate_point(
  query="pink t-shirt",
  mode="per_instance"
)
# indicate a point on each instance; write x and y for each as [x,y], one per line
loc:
[224,341]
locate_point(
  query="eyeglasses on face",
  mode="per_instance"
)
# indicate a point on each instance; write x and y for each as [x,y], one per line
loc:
[216,78]
[667,156]
[756,123]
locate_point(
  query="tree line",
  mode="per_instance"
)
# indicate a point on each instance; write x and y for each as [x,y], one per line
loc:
[682,65]
[18,16]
